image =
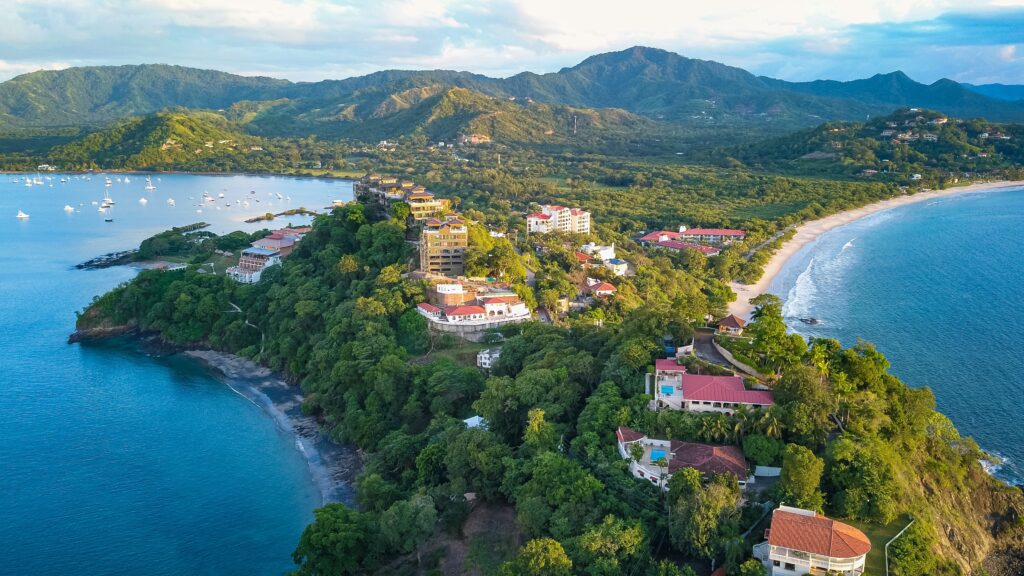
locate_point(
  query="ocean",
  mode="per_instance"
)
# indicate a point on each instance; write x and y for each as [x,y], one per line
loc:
[936,286]
[115,461]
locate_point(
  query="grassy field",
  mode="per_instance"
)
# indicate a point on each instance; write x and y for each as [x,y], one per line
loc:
[879,535]
[766,211]
[461,351]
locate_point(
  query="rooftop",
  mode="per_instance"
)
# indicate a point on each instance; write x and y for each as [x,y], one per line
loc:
[804,530]
[722,389]
[668,365]
[463,310]
[259,251]
[732,321]
[713,232]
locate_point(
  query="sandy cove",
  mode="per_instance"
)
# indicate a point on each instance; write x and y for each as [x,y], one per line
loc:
[809,231]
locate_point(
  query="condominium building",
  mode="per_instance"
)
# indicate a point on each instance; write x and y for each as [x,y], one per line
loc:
[553,218]
[251,264]
[443,245]
[423,205]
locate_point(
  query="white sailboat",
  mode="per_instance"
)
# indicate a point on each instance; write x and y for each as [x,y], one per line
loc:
[149,184]
[170,201]
[68,208]
[143,201]
[22,215]
[126,180]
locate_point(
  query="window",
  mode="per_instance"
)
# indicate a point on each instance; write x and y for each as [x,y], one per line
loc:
[776,563]
[790,566]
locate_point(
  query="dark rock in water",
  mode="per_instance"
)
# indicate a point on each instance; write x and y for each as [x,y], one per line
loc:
[811,321]
[107,260]
[98,333]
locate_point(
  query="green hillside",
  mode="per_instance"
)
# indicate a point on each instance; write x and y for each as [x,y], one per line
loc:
[893,148]
[192,140]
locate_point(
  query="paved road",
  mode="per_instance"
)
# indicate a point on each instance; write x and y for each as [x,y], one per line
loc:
[705,350]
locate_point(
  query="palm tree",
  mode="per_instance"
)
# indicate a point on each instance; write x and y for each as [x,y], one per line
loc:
[770,424]
[734,549]
[741,419]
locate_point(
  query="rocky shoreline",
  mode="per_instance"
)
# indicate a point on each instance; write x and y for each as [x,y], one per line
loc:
[334,467]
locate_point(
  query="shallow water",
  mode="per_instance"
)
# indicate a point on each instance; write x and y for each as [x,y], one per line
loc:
[937,286]
[116,462]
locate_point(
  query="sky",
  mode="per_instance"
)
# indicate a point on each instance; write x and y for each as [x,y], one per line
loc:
[979,41]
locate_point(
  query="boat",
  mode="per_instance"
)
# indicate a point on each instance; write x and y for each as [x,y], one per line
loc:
[108,219]
[221,195]
[126,180]
[279,196]
[109,183]
[68,208]
[149,184]
[170,201]
[22,215]
[28,182]
[200,211]
[143,201]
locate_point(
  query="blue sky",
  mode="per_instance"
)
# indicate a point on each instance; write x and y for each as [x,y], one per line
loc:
[980,41]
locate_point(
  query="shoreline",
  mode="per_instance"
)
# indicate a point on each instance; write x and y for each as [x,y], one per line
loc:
[333,467]
[808,232]
[186,173]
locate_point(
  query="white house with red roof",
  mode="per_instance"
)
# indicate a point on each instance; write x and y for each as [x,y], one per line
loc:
[670,240]
[485,312]
[663,458]
[675,389]
[554,218]
[804,542]
[712,235]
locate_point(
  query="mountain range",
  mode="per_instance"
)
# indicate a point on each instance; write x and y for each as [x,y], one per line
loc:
[614,92]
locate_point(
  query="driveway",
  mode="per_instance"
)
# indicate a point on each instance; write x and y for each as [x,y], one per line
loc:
[705,350]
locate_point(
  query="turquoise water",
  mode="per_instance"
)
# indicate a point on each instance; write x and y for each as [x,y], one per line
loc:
[115,462]
[937,286]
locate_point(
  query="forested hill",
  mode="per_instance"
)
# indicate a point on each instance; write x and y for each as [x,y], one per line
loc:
[543,483]
[646,81]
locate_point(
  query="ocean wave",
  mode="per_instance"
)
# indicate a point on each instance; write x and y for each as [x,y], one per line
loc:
[801,296]
[996,466]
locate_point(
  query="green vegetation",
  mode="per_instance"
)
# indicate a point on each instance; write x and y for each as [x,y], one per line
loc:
[337,316]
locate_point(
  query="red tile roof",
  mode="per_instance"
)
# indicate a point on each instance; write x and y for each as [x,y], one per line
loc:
[655,236]
[722,389]
[817,535]
[463,310]
[677,245]
[625,434]
[713,232]
[501,300]
[708,459]
[668,365]
[732,321]
[582,258]
[539,216]
[603,287]
[429,308]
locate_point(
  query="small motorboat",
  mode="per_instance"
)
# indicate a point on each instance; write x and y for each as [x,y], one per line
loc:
[22,215]
[68,208]
[108,219]
[143,201]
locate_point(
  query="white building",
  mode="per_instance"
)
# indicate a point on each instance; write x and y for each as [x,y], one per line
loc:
[486,358]
[251,264]
[675,389]
[603,252]
[618,266]
[552,218]
[804,542]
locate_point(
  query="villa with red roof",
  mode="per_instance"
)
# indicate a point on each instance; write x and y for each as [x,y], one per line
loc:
[717,236]
[553,218]
[672,241]
[804,542]
[731,324]
[486,311]
[675,389]
[663,458]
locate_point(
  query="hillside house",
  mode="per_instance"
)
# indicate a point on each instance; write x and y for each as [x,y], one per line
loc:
[804,542]
[554,218]
[663,458]
[675,389]
[732,325]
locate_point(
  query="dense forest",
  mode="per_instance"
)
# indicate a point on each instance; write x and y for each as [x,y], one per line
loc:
[338,318]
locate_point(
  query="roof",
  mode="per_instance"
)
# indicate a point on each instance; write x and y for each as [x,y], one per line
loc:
[816,534]
[732,321]
[500,300]
[677,245]
[259,251]
[713,232]
[668,365]
[707,459]
[625,434]
[539,216]
[616,261]
[428,308]
[578,212]
[722,389]
[581,257]
[655,236]
[603,287]
[464,310]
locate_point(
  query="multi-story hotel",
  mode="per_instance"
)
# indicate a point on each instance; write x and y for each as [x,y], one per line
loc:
[443,245]
[558,219]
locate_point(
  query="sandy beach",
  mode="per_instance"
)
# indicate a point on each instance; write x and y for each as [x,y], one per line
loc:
[809,231]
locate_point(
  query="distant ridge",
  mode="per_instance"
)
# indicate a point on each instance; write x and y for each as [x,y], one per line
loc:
[658,84]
